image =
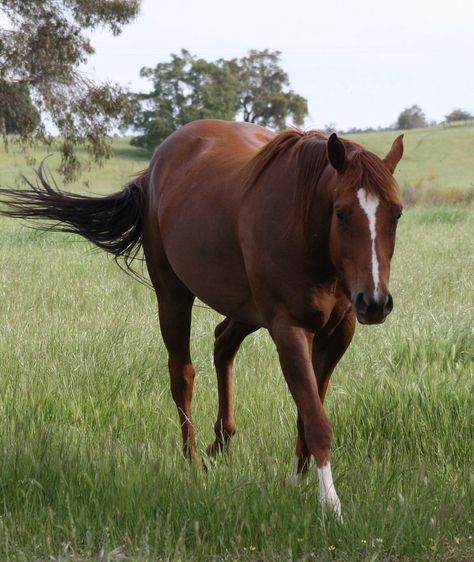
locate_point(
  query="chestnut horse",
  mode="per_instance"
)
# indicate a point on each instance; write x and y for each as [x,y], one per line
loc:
[291,232]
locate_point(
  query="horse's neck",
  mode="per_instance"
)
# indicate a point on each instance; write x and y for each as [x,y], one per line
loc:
[318,227]
[321,208]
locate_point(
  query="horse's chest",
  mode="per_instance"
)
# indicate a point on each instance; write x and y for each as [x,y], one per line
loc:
[311,308]
[320,306]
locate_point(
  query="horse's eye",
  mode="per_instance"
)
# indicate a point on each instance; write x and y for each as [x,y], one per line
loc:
[399,214]
[341,216]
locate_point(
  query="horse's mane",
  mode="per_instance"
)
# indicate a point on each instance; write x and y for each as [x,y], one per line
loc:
[309,151]
[279,145]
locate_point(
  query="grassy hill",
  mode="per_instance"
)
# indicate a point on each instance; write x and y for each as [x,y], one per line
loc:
[437,166]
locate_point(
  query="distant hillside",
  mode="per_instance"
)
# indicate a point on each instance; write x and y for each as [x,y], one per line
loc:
[435,159]
[438,163]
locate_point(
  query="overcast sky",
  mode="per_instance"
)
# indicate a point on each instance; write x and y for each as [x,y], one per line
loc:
[359,63]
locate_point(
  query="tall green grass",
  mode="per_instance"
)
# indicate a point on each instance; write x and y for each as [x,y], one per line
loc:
[90,466]
[90,462]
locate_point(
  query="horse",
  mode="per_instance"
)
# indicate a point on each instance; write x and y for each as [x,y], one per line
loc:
[292,232]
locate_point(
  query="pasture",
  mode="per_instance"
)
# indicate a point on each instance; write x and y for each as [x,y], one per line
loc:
[90,464]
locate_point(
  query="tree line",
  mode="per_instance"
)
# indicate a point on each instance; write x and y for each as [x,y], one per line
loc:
[252,89]
[43,42]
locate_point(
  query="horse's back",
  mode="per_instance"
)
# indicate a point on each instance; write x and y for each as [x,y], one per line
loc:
[195,192]
[236,133]
[200,143]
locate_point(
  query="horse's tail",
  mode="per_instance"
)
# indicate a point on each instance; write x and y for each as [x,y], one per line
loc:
[113,223]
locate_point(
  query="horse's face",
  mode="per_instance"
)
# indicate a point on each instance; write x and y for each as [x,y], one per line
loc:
[363,227]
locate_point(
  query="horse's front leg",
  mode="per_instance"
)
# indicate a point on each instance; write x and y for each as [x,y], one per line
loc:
[294,345]
[329,345]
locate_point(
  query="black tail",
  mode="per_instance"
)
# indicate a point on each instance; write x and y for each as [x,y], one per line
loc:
[113,223]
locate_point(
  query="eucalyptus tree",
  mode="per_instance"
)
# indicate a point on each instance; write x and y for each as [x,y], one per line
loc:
[42,45]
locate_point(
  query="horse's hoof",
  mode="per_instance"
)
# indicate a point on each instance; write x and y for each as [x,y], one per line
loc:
[199,464]
[214,449]
[333,506]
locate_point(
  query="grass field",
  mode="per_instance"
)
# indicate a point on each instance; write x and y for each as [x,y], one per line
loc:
[90,463]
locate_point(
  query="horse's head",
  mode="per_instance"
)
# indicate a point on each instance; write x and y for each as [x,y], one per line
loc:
[366,209]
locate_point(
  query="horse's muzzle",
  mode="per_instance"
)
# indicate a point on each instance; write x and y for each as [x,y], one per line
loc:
[371,310]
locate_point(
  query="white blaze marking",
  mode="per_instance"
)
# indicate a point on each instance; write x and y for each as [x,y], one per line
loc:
[369,204]
[327,491]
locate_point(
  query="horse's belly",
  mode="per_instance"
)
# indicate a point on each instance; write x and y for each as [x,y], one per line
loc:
[214,278]
[202,247]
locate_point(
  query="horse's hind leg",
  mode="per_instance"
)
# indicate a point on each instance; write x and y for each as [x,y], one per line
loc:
[229,335]
[175,322]
[175,303]
[328,348]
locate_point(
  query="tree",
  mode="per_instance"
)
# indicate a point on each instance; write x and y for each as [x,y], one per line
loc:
[184,89]
[458,115]
[17,113]
[261,96]
[188,88]
[411,118]
[42,45]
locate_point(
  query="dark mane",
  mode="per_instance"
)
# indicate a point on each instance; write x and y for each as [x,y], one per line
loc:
[279,145]
[309,150]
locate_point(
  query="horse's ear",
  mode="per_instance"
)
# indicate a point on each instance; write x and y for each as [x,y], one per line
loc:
[395,154]
[336,153]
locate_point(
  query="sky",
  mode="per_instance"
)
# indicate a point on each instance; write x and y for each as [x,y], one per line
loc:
[358,63]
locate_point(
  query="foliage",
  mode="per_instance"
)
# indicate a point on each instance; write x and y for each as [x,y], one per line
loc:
[412,118]
[18,115]
[458,115]
[41,47]
[188,88]
[184,89]
[261,96]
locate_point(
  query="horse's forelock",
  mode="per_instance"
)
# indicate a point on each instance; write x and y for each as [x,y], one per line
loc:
[367,170]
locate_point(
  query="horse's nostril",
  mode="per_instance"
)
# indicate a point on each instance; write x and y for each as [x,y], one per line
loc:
[388,307]
[373,310]
[360,304]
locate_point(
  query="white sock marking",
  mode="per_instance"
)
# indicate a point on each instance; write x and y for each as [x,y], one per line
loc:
[369,204]
[327,491]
